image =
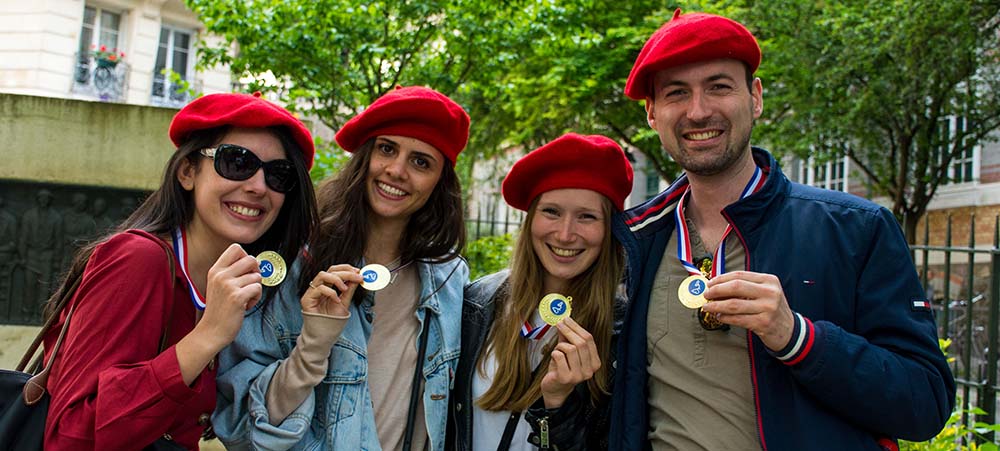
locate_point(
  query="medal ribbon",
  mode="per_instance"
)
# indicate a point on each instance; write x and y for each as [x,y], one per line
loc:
[684,239]
[180,249]
[534,333]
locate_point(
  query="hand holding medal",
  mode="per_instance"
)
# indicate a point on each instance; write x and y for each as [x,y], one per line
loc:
[573,360]
[331,291]
[692,290]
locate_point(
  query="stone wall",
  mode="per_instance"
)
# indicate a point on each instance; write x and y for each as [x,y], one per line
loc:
[44,139]
[70,170]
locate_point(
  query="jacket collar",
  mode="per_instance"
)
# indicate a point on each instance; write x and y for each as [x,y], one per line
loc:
[656,213]
[749,213]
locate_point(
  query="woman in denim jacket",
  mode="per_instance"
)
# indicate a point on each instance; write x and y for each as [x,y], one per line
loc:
[512,361]
[325,365]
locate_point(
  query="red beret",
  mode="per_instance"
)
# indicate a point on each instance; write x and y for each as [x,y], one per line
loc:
[414,112]
[591,162]
[689,39]
[238,110]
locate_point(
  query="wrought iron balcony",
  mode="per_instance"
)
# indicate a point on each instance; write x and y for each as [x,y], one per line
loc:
[172,91]
[102,79]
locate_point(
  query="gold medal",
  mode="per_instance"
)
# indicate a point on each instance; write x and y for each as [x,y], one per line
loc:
[272,268]
[554,308]
[692,291]
[376,277]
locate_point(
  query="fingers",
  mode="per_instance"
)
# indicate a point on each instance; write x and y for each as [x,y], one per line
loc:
[235,276]
[232,253]
[754,301]
[587,359]
[575,357]
[743,285]
[331,291]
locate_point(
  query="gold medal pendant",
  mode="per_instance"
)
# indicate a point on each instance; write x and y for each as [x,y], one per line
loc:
[692,291]
[555,308]
[376,277]
[272,268]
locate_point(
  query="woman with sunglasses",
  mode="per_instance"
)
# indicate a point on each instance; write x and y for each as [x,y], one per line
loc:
[537,339]
[363,358]
[158,298]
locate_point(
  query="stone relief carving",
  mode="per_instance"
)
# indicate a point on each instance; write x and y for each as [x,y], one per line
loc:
[41,227]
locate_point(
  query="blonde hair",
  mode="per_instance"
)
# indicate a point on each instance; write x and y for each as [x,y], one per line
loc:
[593,291]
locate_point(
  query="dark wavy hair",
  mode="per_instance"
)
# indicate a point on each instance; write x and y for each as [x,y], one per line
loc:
[171,206]
[435,233]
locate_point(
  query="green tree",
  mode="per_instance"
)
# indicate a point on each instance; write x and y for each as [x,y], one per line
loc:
[876,80]
[331,58]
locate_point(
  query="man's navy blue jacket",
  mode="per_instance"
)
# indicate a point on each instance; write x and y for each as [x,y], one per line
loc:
[867,369]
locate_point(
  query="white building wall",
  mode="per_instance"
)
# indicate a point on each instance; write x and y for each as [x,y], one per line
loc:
[39,40]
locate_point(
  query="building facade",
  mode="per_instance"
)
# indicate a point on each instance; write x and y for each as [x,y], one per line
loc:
[87,91]
[139,52]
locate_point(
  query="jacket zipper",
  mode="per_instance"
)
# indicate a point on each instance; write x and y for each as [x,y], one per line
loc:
[753,366]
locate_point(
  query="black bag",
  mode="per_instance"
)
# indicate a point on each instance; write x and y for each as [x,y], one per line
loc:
[24,402]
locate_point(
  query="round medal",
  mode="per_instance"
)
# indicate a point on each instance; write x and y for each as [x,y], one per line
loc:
[272,268]
[554,308]
[692,291]
[376,277]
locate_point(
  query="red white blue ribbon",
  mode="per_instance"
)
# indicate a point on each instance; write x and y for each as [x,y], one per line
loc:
[180,250]
[683,234]
[533,333]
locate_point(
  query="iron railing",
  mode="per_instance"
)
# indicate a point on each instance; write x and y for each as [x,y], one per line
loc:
[964,286]
[102,79]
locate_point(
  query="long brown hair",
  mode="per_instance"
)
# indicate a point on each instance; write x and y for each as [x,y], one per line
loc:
[171,206]
[593,291]
[435,233]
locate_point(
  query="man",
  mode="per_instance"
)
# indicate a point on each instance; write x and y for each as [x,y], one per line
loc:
[813,331]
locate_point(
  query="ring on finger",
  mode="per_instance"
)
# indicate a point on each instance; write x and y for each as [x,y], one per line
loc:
[313,284]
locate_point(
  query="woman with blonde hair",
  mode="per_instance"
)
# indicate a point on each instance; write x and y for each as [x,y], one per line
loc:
[536,338]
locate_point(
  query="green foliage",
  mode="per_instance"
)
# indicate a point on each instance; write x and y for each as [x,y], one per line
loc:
[876,80]
[179,84]
[957,436]
[329,160]
[488,254]
[872,78]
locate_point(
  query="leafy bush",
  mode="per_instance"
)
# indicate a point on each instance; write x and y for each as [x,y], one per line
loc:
[488,254]
[953,434]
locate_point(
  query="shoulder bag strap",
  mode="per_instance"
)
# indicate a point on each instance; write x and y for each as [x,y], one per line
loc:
[35,388]
[33,348]
[416,389]
[515,417]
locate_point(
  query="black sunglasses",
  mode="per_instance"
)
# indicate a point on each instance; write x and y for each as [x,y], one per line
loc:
[239,163]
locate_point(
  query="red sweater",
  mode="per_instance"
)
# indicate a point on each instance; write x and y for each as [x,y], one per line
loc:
[109,387]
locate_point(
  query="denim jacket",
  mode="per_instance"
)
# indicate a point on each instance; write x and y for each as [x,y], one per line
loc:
[338,413]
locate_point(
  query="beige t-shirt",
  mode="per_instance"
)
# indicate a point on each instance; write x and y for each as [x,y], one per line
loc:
[700,392]
[392,357]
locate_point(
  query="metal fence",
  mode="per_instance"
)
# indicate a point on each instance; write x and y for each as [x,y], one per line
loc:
[963,283]
[490,222]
